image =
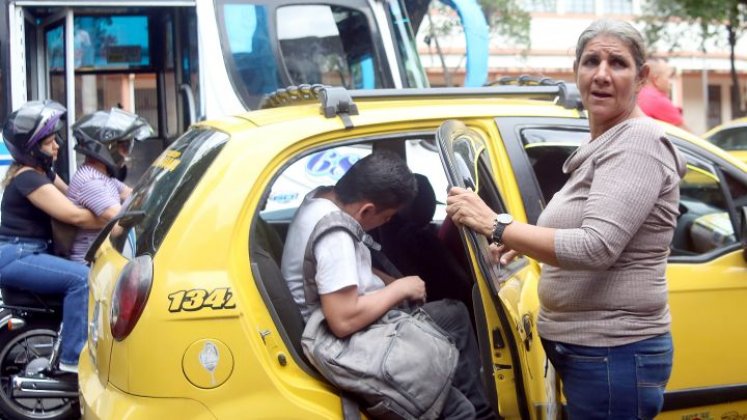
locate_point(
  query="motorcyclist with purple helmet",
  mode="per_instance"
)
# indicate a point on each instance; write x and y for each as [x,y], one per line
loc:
[33,196]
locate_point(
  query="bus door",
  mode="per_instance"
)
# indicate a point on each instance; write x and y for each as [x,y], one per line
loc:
[140,59]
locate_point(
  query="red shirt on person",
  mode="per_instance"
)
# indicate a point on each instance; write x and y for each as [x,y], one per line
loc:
[657,105]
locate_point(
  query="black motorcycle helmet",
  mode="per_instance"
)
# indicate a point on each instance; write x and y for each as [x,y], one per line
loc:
[27,126]
[108,137]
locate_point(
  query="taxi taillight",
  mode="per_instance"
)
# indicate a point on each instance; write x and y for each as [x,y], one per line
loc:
[130,295]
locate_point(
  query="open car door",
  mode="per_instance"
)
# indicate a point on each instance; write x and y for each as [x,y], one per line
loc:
[505,297]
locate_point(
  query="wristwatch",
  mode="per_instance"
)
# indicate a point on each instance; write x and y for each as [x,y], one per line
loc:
[499,225]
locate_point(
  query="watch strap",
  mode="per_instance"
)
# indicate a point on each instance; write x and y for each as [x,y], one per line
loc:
[497,235]
[499,226]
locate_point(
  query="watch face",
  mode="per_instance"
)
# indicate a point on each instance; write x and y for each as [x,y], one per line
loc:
[504,218]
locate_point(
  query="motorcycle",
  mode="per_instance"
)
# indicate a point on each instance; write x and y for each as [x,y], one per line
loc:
[31,384]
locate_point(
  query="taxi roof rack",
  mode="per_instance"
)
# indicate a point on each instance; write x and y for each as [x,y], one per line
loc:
[338,101]
[568,94]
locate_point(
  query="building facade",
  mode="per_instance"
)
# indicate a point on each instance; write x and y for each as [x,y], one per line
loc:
[700,86]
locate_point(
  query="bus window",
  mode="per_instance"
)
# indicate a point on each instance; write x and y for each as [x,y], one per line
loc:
[142,59]
[271,46]
[55,46]
[324,44]
[410,64]
[111,42]
[250,45]
[107,49]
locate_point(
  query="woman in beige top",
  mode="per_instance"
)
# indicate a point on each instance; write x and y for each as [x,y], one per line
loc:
[604,238]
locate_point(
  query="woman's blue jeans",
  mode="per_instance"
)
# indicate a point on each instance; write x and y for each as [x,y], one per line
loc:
[24,264]
[622,382]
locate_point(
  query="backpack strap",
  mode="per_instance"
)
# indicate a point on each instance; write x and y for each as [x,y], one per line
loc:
[337,220]
[350,408]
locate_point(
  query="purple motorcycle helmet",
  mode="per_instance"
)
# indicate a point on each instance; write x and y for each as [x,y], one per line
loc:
[26,128]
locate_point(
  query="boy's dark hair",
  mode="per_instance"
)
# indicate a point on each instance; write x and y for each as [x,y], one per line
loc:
[382,178]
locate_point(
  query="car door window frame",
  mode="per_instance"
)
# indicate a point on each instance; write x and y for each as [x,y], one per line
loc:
[488,190]
[490,193]
[376,141]
[510,130]
[697,160]
[719,166]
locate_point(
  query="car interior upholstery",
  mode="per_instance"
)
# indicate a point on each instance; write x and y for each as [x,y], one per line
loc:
[409,240]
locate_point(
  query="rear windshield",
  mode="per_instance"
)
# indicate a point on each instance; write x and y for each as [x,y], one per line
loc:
[164,188]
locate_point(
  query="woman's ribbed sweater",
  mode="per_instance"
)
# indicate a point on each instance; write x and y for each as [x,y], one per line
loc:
[615,218]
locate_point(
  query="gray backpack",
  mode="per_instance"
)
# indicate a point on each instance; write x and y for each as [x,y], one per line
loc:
[401,366]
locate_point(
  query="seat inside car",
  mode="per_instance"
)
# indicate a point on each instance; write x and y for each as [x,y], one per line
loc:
[266,267]
[410,241]
[547,163]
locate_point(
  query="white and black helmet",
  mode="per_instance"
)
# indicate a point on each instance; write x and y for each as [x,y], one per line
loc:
[104,135]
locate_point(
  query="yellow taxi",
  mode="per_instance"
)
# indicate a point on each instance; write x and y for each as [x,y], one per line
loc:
[191,318]
[731,136]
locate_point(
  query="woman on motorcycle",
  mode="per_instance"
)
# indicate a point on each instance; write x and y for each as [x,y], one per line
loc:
[33,196]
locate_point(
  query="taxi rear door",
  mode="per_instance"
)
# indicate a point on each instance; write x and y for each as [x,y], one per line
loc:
[505,297]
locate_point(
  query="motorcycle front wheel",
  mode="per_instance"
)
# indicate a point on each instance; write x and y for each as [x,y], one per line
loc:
[32,344]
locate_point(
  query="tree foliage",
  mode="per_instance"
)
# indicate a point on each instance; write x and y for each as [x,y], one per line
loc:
[505,18]
[723,22]
[508,19]
[667,22]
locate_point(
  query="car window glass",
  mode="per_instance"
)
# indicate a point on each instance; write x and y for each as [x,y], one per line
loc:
[327,44]
[547,150]
[165,187]
[466,152]
[731,139]
[462,149]
[422,158]
[737,190]
[311,171]
[547,163]
[327,166]
[533,136]
[410,64]
[704,223]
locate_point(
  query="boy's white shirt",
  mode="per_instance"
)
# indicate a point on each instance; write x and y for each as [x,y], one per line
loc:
[339,265]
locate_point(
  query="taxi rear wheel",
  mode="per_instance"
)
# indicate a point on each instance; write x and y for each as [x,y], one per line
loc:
[18,349]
